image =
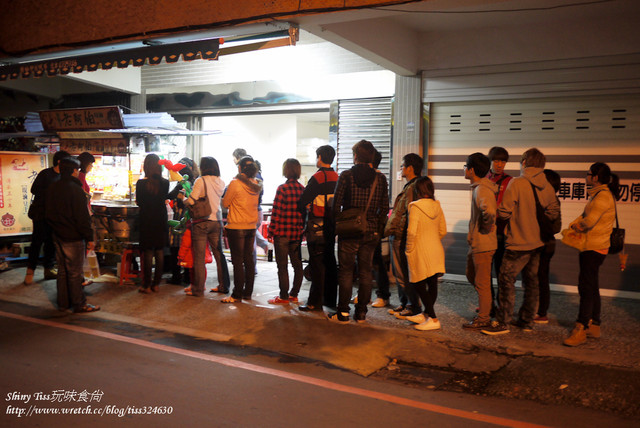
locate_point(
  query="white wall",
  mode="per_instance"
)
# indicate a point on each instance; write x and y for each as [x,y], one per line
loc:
[268,138]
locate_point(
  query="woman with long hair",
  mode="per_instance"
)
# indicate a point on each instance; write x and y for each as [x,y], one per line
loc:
[151,194]
[596,222]
[425,253]
[241,199]
[208,231]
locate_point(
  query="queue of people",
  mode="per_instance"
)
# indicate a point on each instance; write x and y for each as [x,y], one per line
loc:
[512,225]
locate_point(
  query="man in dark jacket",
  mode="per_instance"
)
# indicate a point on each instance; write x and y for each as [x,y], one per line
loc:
[352,191]
[67,214]
[41,232]
[318,197]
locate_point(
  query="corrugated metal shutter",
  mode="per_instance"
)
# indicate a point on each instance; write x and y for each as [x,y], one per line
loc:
[364,119]
[573,133]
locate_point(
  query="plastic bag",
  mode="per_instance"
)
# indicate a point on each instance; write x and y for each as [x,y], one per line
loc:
[91,266]
[574,239]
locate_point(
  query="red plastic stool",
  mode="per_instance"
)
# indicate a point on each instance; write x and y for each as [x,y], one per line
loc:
[130,251]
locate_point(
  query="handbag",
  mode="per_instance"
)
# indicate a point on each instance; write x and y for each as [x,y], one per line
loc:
[315,230]
[201,207]
[616,240]
[352,222]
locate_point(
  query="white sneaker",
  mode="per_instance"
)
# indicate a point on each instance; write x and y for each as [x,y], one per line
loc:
[429,324]
[380,303]
[417,319]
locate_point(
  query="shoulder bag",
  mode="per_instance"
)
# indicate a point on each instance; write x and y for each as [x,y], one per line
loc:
[545,224]
[352,223]
[616,239]
[201,207]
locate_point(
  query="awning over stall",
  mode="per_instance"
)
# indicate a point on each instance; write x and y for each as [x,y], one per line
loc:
[200,49]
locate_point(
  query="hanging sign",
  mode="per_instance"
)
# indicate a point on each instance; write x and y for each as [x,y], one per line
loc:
[93,118]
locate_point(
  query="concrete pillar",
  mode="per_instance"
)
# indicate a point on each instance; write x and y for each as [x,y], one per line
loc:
[407,126]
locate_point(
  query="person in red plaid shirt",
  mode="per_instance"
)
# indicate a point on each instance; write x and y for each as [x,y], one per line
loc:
[285,231]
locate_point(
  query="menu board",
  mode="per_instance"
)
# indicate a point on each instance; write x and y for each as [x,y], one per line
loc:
[17,172]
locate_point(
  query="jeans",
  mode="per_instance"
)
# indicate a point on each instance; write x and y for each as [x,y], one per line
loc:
[41,235]
[288,249]
[513,263]
[479,275]
[429,296]
[589,288]
[202,234]
[241,245]
[147,262]
[348,251]
[259,241]
[406,290]
[324,272]
[543,277]
[380,272]
[70,256]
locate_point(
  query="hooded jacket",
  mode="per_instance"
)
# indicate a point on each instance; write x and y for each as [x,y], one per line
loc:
[482,233]
[214,189]
[518,207]
[241,199]
[426,228]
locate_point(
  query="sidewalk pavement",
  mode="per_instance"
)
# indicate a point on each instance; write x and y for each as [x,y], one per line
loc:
[606,369]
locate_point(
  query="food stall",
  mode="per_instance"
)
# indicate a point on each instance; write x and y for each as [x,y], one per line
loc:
[119,144]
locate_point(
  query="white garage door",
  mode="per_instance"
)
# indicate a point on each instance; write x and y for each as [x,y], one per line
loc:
[573,133]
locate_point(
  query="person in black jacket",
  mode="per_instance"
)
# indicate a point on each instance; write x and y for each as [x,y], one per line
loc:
[41,232]
[66,212]
[151,194]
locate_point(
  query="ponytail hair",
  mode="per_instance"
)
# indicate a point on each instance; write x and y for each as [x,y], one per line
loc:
[605,176]
[248,166]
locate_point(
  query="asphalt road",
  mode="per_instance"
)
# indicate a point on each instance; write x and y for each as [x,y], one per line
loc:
[129,375]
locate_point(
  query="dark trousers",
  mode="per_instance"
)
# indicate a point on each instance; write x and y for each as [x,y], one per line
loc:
[427,289]
[543,277]
[241,243]
[513,263]
[497,263]
[324,273]
[70,257]
[589,288]
[202,234]
[41,235]
[400,266]
[348,251]
[147,263]
[380,273]
[288,250]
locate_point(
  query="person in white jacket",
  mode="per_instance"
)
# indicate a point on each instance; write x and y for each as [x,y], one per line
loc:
[425,253]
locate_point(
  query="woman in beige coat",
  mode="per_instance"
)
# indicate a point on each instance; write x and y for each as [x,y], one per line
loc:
[425,253]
